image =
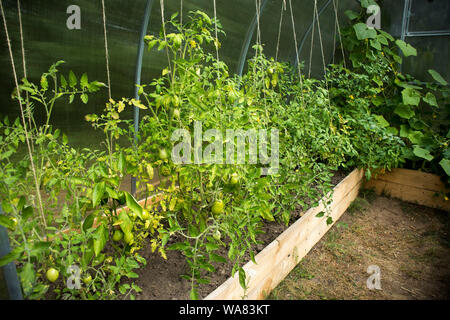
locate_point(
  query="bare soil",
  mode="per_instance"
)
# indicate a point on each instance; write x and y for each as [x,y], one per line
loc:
[161,279]
[409,243]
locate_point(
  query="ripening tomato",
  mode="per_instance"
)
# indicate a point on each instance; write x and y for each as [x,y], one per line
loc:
[52,274]
[234,179]
[163,154]
[145,214]
[87,279]
[217,207]
[217,235]
[118,235]
[165,171]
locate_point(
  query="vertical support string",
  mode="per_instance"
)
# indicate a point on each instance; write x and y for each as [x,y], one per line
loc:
[320,38]
[283,8]
[106,49]
[312,38]
[296,51]
[27,138]
[339,31]
[161,3]
[24,65]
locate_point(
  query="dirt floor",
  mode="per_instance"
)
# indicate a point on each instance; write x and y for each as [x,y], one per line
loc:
[409,243]
[160,279]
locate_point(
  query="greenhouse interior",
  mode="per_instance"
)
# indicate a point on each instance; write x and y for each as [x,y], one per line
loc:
[224,150]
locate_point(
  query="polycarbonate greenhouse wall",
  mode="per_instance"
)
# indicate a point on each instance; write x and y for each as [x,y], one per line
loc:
[423,23]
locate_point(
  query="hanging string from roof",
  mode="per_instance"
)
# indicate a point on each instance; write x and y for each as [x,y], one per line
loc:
[320,37]
[296,51]
[216,43]
[312,39]
[334,41]
[161,3]
[323,61]
[283,8]
[24,65]
[335,6]
[257,43]
[259,50]
[106,49]
[181,13]
[27,138]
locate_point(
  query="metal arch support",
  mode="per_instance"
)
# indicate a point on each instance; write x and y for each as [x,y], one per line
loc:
[137,79]
[300,47]
[248,38]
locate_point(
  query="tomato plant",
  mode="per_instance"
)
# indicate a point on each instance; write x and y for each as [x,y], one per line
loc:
[366,115]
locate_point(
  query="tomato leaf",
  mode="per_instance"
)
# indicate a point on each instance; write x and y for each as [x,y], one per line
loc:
[72,79]
[133,205]
[100,239]
[6,221]
[126,224]
[242,277]
[11,256]
[88,222]
[97,194]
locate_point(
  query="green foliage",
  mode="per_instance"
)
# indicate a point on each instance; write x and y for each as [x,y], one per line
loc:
[368,116]
[416,111]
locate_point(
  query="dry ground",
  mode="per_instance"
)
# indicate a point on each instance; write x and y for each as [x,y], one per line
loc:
[409,243]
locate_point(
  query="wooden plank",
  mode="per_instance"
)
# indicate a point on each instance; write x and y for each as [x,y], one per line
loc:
[276,275]
[413,178]
[409,193]
[276,260]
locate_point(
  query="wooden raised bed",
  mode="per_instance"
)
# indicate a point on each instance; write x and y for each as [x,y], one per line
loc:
[412,186]
[276,260]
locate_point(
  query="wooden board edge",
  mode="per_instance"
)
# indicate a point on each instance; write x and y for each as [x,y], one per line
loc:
[231,288]
[409,194]
[414,178]
[300,250]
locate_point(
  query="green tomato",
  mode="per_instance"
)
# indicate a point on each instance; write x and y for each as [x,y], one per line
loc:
[165,171]
[52,274]
[163,154]
[234,179]
[14,221]
[118,235]
[99,259]
[145,214]
[217,207]
[217,235]
[87,279]
[176,113]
